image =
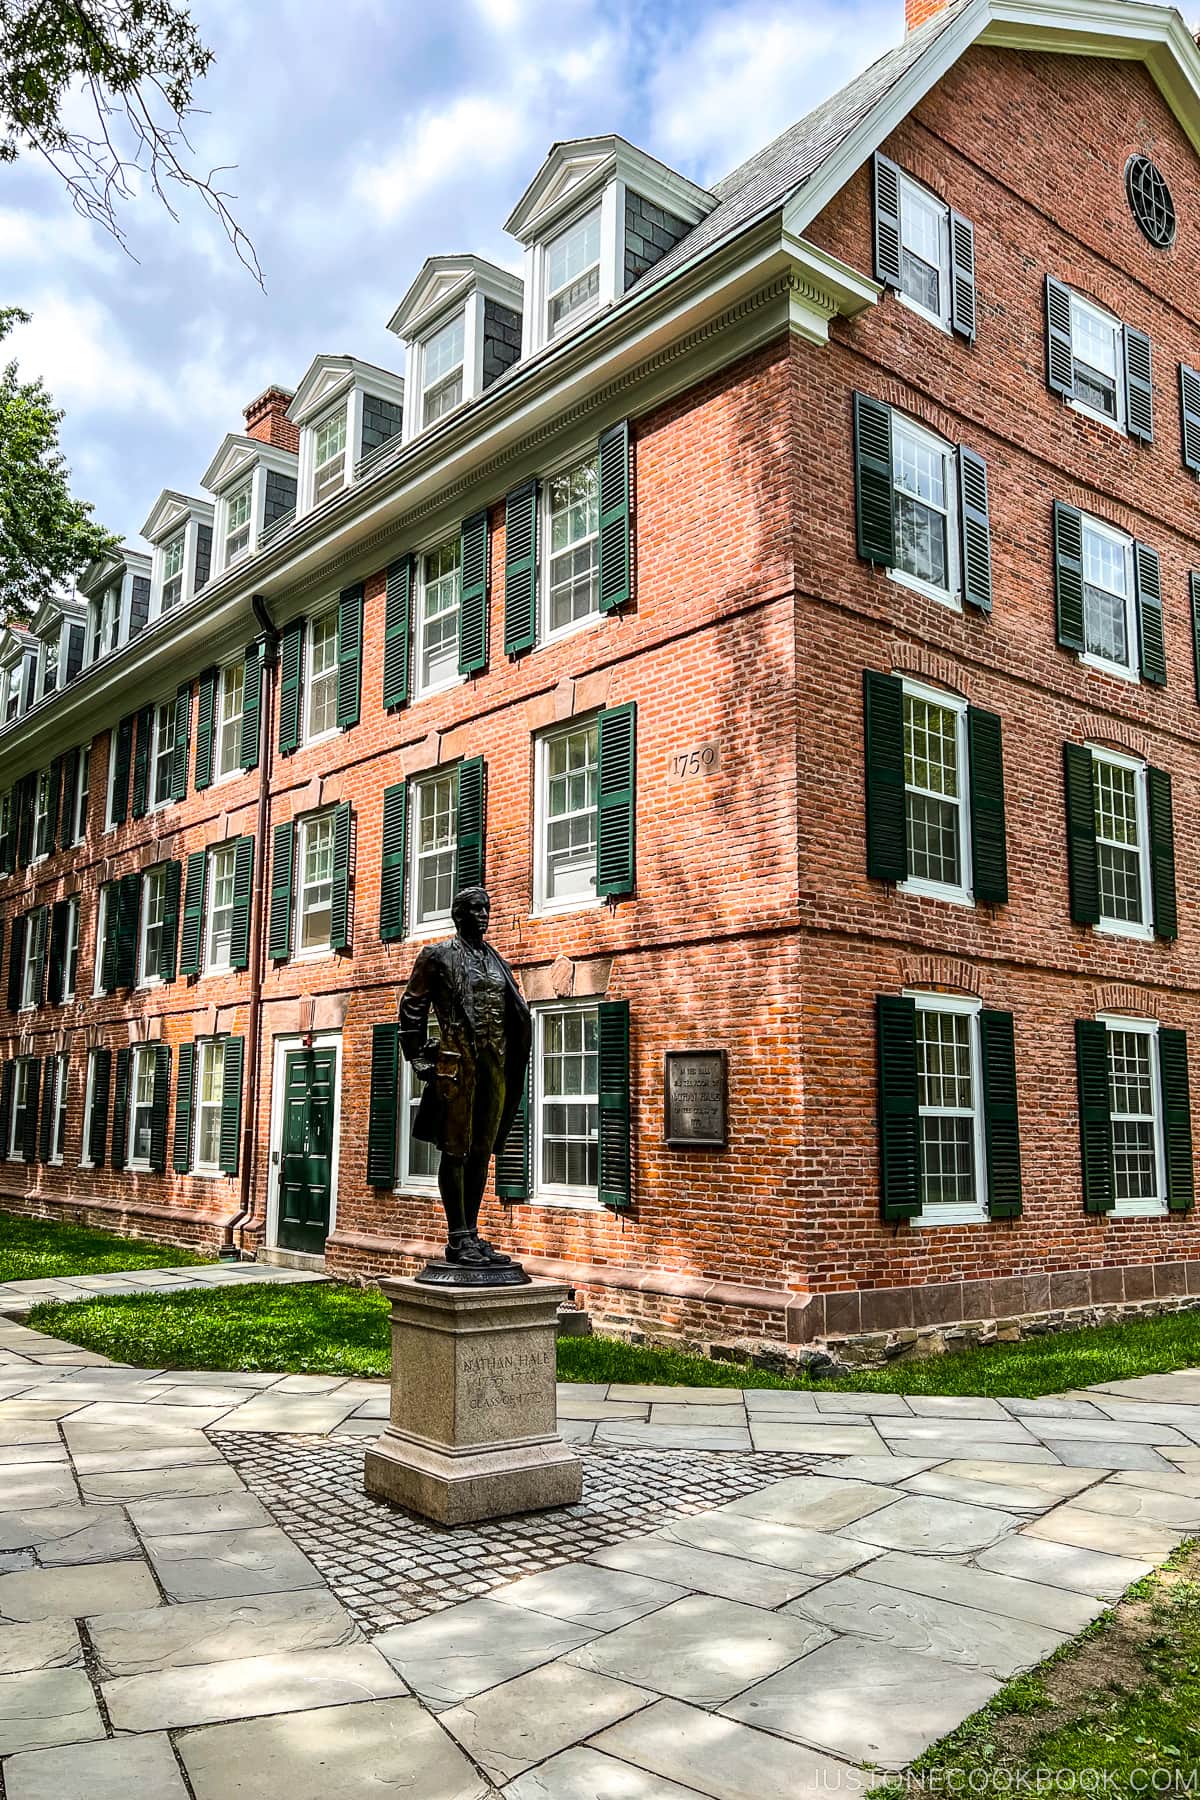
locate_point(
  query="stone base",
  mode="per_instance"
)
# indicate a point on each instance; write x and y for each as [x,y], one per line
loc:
[458,1488]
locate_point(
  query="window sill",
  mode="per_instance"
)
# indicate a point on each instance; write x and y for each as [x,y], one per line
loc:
[583,1200]
[932,890]
[1139,1209]
[943,596]
[139,1168]
[1121,928]
[318,954]
[1103,667]
[418,1189]
[209,1174]
[923,312]
[322,737]
[439,687]
[555,909]
[952,1215]
[217,969]
[1098,418]
[546,638]
[155,981]
[430,929]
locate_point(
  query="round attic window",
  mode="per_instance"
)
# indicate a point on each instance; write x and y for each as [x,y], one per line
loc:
[1150,201]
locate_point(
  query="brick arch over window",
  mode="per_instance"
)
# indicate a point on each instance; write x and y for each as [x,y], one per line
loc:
[924,169]
[1097,506]
[1116,733]
[927,665]
[941,972]
[1119,997]
[915,406]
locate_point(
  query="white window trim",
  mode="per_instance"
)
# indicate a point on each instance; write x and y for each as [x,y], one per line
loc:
[210,911]
[350,407]
[143,979]
[1157,1208]
[251,480]
[315,952]
[1122,927]
[189,528]
[103,901]
[963,894]
[1131,670]
[535,324]
[154,805]
[544,908]
[1119,424]
[421,692]
[81,787]
[22,1066]
[329,1040]
[948,596]
[40,813]
[206,1171]
[436,925]
[71,947]
[89,1083]
[140,1053]
[220,773]
[60,1107]
[323,611]
[976,1214]
[469,387]
[27,958]
[407,1183]
[575,1198]
[544,556]
[945,272]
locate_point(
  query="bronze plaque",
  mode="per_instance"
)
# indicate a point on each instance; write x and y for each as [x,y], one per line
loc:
[695,1099]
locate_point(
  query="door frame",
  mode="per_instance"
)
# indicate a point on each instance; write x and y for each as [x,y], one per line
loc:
[281,1047]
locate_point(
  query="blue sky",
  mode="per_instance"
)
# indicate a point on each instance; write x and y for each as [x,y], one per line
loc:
[368,135]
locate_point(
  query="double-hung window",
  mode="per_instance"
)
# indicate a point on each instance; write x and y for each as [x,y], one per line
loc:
[237,522]
[154,900]
[567,775]
[77,801]
[442,370]
[329,455]
[936,812]
[950,1117]
[219,940]
[90,1101]
[925,509]
[571,582]
[56,1100]
[1122,843]
[32,975]
[141,1106]
[573,273]
[433,841]
[437,617]
[105,902]
[320,706]
[418,1160]
[1136,1112]
[314,930]
[1109,598]
[106,619]
[50,667]
[163,755]
[567,1104]
[71,949]
[172,572]
[24,1101]
[12,695]
[41,816]
[924,251]
[1096,354]
[210,1076]
[230,690]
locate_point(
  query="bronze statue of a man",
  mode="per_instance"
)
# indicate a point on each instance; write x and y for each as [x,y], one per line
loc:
[475,1075]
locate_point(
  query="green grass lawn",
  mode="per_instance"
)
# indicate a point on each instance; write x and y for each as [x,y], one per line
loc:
[330,1329]
[32,1250]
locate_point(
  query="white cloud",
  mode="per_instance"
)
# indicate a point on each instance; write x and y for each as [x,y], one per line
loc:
[472,135]
[78,351]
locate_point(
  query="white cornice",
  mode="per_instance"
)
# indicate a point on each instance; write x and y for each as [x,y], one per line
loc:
[445,282]
[237,456]
[170,511]
[329,378]
[583,165]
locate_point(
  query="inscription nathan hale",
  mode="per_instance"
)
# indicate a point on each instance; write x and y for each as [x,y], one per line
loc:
[695,1086]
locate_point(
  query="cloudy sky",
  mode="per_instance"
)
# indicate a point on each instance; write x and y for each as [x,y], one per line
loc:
[368,134]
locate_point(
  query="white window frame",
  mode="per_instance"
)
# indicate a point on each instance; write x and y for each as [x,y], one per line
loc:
[244,529]
[50,654]
[205,1049]
[1144,931]
[406,1181]
[104,899]
[329,676]
[1106,319]
[23,1067]
[37,915]
[428,387]
[581,1199]
[950,596]
[164,716]
[40,814]
[1126,671]
[71,949]
[421,689]
[304,825]
[227,850]
[143,1055]
[158,873]
[912,191]
[220,771]
[1157,1207]
[342,409]
[58,1128]
[543,905]
[977,1212]
[548,634]
[962,893]
[89,1101]
[110,823]
[166,549]
[422,786]
[549,334]
[80,796]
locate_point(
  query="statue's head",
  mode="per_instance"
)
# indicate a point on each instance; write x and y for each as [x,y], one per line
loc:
[471,911]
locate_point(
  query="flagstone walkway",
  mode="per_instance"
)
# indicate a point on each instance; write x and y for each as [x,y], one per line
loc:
[18,1297]
[762,1590]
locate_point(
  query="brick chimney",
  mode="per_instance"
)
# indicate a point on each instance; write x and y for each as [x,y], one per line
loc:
[267,420]
[917,11]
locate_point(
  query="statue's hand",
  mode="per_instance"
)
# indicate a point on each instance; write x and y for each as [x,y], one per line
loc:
[425,1062]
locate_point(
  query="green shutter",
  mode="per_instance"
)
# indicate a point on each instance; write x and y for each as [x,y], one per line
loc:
[183,734]
[50,826]
[1095,1119]
[1189,408]
[50,1073]
[396,629]
[282,857]
[899,1117]
[60,914]
[291,657]
[1060,358]
[472,600]
[1162,853]
[129,898]
[1068,575]
[8,1076]
[616,560]
[391,873]
[141,763]
[1081,834]
[468,856]
[616,804]
[512,1157]
[520,568]
[251,705]
[16,961]
[39,967]
[614,1158]
[1139,388]
[1001,1128]
[110,956]
[339,905]
[1194,584]
[243,879]
[181,1143]
[121,749]
[158,1108]
[975,529]
[1148,586]
[30,1121]
[1177,1118]
[962,277]
[70,789]
[169,936]
[349,663]
[120,1122]
[231,1105]
[989,848]
[887,832]
[381,1125]
[98,1122]
[874,518]
[887,221]
[192,942]
[205,725]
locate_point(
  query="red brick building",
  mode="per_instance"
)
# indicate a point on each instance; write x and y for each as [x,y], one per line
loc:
[784,597]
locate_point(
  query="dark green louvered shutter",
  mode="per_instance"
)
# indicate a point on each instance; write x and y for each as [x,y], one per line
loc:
[1060,357]
[1068,575]
[472,595]
[50,1074]
[396,630]
[975,529]
[616,1189]
[1194,585]
[899,1118]
[205,728]
[887,836]
[1095,1118]
[192,941]
[16,961]
[53,793]
[140,799]
[27,787]
[183,735]
[512,1157]
[40,929]
[1000,1123]
[1162,853]
[60,915]
[349,656]
[520,568]
[1177,1118]
[282,857]
[616,558]
[381,1125]
[962,277]
[874,517]
[1189,407]
[98,1117]
[989,847]
[887,221]
[616,804]
[110,956]
[30,1121]
[231,1105]
[158,1108]
[339,904]
[1084,873]
[169,935]
[1148,587]
[291,656]
[1139,388]
[468,856]
[70,790]
[181,1142]
[243,879]
[251,705]
[391,872]
[129,896]
[121,754]
[8,1076]
[120,1120]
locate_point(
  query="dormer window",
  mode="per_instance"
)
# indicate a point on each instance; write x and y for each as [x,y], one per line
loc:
[12,694]
[442,370]
[172,572]
[50,667]
[237,523]
[107,620]
[345,410]
[181,530]
[460,322]
[573,273]
[254,486]
[329,456]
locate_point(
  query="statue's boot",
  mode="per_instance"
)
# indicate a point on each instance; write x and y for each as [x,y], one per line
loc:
[463,1249]
[491,1255]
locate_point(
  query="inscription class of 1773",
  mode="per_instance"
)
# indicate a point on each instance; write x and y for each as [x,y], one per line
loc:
[695,1104]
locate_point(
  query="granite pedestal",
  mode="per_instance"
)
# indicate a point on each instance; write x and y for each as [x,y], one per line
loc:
[474,1424]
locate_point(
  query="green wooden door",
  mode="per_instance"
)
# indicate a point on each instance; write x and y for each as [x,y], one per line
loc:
[306,1151]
